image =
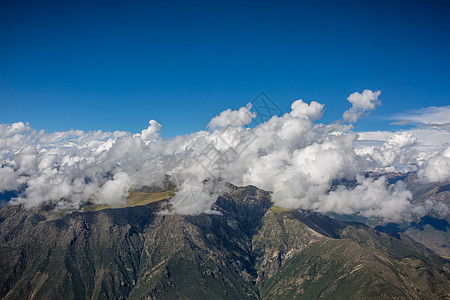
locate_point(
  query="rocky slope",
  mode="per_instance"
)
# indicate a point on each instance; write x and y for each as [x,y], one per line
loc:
[250,250]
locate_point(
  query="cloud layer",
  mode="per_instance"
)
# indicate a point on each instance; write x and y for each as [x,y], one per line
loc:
[293,155]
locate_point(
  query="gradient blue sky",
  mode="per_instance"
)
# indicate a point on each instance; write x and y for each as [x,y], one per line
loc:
[114,65]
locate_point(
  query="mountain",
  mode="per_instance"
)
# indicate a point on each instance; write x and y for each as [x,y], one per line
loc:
[248,249]
[432,230]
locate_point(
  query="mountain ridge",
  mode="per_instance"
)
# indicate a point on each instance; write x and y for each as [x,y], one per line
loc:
[250,250]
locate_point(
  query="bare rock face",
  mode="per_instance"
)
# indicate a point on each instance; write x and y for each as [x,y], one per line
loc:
[250,250]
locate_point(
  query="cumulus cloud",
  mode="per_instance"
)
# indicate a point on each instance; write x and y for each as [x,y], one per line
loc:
[396,151]
[437,168]
[229,117]
[114,191]
[152,130]
[370,198]
[293,155]
[302,110]
[9,181]
[425,149]
[361,103]
[7,130]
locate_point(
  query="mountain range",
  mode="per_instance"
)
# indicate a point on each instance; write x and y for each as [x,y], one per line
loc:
[247,248]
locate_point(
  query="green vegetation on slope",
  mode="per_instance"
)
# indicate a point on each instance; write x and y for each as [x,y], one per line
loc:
[135,198]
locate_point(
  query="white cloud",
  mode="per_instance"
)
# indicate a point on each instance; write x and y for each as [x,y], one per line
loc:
[427,152]
[114,191]
[8,179]
[27,160]
[433,115]
[437,168]
[370,198]
[152,130]
[7,130]
[361,103]
[229,117]
[310,112]
[290,155]
[397,150]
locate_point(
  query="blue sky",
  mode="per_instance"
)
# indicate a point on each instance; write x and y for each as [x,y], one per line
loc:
[116,65]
